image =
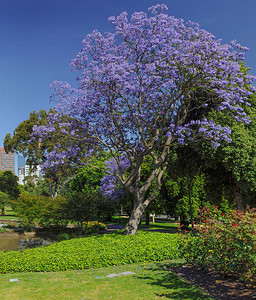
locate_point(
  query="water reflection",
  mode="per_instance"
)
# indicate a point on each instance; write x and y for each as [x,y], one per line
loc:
[19,243]
[12,241]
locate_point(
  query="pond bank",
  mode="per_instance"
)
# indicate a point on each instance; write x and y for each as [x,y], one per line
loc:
[11,240]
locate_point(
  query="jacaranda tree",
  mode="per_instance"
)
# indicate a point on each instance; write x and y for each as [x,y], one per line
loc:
[135,89]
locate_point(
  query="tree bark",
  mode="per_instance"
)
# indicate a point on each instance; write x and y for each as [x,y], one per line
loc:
[147,218]
[134,220]
[238,197]
[50,190]
[153,218]
[236,191]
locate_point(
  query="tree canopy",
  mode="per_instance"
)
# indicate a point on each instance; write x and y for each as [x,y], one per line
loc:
[9,188]
[36,149]
[136,88]
[19,140]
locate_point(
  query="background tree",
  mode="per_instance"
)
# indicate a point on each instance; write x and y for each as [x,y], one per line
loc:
[4,200]
[136,89]
[230,168]
[84,192]
[35,150]
[236,162]
[40,188]
[8,186]
[19,141]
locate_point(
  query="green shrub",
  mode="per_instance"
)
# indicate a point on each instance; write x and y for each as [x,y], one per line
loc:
[63,237]
[226,242]
[92,252]
[93,226]
[2,230]
[41,210]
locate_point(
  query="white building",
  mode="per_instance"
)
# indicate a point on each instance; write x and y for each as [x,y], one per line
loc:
[25,171]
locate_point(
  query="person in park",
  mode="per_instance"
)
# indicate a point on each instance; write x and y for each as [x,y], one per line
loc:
[137,90]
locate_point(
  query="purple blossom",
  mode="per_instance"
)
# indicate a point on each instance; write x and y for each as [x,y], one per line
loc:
[133,90]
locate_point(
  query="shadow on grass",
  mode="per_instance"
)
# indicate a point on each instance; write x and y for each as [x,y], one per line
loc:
[177,288]
[160,229]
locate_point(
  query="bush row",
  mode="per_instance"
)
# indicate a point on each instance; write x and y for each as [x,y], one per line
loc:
[92,252]
[59,211]
[226,242]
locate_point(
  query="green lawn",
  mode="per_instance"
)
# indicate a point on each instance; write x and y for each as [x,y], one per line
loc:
[148,281]
[9,214]
[164,224]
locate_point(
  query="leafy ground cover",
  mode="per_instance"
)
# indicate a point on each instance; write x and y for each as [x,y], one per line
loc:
[149,281]
[93,252]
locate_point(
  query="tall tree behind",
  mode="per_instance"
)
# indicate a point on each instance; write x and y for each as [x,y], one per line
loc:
[36,149]
[9,185]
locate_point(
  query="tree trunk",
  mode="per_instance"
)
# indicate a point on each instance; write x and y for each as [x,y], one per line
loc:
[50,190]
[134,220]
[56,189]
[147,218]
[190,204]
[153,218]
[237,195]
[238,198]
[3,212]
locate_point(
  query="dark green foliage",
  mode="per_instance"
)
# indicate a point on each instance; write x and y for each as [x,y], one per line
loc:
[85,201]
[9,188]
[231,168]
[63,237]
[92,252]
[4,200]
[9,184]
[40,188]
[83,207]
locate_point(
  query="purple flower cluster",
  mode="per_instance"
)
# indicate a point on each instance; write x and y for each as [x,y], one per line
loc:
[138,83]
[204,129]
[109,182]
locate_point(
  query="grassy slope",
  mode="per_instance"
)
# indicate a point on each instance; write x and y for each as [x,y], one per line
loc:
[149,281]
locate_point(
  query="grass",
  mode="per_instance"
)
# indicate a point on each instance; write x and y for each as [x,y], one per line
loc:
[167,225]
[149,281]
[164,224]
[9,214]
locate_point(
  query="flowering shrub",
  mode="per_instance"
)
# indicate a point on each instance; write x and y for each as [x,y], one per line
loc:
[226,242]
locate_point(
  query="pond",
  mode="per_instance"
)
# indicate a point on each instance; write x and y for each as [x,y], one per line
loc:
[15,241]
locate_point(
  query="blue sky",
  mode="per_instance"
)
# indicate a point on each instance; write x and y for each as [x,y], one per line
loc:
[38,39]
